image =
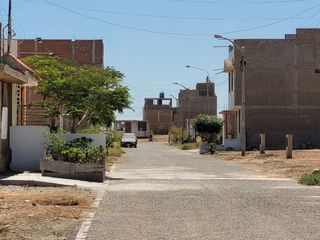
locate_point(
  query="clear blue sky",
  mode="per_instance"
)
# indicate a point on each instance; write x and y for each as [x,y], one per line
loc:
[151,41]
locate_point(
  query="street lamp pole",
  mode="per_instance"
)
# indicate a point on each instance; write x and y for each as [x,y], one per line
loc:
[243,89]
[207,81]
[188,106]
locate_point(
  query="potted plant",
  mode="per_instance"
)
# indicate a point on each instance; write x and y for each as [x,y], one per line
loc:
[208,127]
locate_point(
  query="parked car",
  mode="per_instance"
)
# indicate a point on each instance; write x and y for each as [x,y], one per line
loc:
[129,140]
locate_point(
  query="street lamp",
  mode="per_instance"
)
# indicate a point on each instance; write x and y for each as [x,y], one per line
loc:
[207,80]
[243,88]
[188,106]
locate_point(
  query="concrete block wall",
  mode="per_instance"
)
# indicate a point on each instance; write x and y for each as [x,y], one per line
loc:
[282,89]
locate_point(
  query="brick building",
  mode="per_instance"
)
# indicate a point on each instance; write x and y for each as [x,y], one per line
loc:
[193,102]
[158,113]
[84,52]
[282,84]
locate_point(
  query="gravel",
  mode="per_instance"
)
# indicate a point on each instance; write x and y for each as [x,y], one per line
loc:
[160,192]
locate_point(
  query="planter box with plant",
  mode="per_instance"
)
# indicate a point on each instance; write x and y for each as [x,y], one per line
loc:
[75,159]
[208,127]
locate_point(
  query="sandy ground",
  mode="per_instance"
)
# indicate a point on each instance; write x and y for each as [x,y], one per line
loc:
[273,163]
[44,213]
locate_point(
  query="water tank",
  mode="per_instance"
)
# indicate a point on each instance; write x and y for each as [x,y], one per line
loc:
[161,95]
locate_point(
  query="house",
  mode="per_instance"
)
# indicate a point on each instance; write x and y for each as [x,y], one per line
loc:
[194,102]
[14,75]
[158,113]
[282,89]
[84,52]
[139,128]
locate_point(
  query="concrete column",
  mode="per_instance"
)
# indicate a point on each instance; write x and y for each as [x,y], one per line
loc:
[262,143]
[289,146]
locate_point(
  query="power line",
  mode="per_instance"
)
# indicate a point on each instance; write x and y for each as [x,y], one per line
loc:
[273,23]
[177,17]
[176,33]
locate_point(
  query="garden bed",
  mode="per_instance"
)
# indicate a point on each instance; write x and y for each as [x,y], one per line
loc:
[74,159]
[94,172]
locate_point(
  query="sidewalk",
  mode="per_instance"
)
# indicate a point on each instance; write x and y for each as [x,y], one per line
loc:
[36,179]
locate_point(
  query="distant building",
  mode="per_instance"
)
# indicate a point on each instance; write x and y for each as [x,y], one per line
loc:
[193,102]
[282,83]
[139,128]
[158,113]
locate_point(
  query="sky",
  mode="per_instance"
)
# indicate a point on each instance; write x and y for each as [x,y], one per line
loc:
[151,41]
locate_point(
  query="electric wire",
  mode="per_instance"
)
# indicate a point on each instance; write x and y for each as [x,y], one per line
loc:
[177,33]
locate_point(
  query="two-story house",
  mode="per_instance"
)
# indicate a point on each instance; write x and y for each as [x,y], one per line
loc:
[282,91]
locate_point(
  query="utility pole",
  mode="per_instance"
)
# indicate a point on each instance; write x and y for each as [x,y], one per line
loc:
[243,104]
[243,94]
[9,27]
[0,42]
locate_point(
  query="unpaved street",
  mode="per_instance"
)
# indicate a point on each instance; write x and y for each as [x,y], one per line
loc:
[159,192]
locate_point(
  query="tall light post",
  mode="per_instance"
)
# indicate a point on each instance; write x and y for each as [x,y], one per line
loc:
[243,89]
[207,81]
[188,106]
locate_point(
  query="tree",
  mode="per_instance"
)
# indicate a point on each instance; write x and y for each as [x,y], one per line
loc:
[85,94]
[208,126]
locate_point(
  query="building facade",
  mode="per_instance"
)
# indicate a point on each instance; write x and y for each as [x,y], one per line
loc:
[14,75]
[194,102]
[158,113]
[139,128]
[282,89]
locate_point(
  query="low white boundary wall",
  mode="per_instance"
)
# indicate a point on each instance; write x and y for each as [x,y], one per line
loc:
[27,146]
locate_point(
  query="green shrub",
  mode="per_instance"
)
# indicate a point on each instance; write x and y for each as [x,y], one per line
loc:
[213,148]
[81,143]
[189,146]
[54,144]
[90,131]
[208,126]
[178,135]
[310,179]
[76,151]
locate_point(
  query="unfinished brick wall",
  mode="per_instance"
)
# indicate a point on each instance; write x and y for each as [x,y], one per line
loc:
[84,52]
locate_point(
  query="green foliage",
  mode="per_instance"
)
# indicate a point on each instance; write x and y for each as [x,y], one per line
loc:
[76,151]
[54,144]
[310,179]
[189,146]
[117,137]
[208,126]
[81,143]
[178,135]
[213,148]
[85,94]
[90,131]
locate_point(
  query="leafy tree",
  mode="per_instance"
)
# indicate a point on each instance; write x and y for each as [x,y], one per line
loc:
[208,126]
[85,94]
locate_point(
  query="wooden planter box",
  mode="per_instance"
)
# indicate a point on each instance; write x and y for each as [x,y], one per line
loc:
[86,172]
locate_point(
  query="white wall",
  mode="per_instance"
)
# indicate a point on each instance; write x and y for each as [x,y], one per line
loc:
[27,145]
